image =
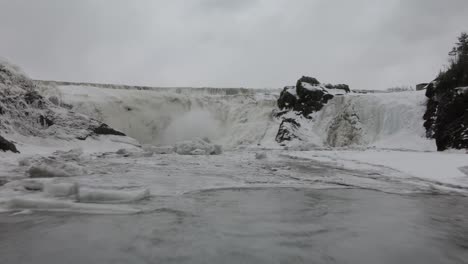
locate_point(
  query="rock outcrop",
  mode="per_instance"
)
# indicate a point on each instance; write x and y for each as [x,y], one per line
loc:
[287,129]
[24,111]
[307,97]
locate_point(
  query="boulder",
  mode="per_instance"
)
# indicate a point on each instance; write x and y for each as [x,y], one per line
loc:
[308,96]
[6,145]
[288,98]
[308,87]
[104,129]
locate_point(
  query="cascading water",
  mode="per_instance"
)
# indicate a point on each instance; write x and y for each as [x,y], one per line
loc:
[244,117]
[166,116]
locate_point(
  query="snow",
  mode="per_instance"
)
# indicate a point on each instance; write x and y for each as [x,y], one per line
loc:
[311,87]
[441,168]
[292,90]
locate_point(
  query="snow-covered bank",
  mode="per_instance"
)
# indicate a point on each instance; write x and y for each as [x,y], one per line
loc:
[445,169]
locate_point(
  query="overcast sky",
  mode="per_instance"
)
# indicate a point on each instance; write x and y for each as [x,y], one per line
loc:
[369,44]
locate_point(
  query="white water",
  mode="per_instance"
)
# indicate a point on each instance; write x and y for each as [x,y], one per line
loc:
[167,116]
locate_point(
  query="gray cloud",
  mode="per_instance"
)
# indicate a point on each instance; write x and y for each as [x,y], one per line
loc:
[253,43]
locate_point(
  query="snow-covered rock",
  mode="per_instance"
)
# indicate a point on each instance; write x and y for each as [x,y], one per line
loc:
[309,96]
[287,130]
[25,112]
[6,145]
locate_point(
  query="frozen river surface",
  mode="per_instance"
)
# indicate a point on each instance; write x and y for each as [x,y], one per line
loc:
[251,225]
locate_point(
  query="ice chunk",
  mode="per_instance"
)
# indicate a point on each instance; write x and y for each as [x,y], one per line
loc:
[260,155]
[46,171]
[61,189]
[196,147]
[24,162]
[61,164]
[32,185]
[122,152]
[73,154]
[66,206]
[43,204]
[111,196]
[198,152]
[160,150]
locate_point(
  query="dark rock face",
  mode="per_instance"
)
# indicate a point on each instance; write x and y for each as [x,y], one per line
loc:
[302,92]
[286,130]
[104,129]
[307,97]
[446,117]
[6,145]
[287,99]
